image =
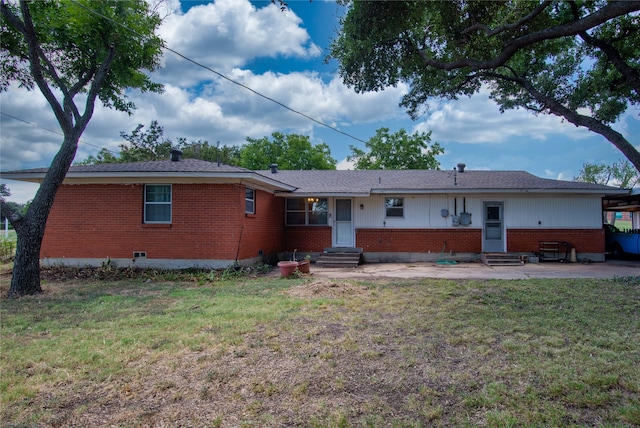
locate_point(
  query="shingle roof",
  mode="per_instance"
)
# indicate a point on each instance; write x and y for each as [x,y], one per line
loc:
[365,182]
[185,165]
[333,182]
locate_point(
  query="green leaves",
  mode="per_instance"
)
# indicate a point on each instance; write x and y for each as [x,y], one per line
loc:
[577,60]
[397,151]
[82,40]
[621,174]
[291,151]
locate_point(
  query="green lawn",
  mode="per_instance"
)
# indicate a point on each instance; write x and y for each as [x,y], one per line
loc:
[270,352]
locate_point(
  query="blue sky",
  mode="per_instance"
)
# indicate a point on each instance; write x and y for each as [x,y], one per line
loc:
[281,55]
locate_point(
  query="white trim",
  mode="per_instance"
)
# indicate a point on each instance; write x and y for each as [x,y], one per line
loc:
[122,177]
[170,203]
[253,200]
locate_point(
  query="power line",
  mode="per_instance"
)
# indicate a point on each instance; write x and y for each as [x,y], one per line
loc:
[47,129]
[319,122]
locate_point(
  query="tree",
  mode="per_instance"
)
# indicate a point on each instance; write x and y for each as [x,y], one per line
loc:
[621,174]
[576,60]
[75,52]
[151,145]
[145,146]
[142,146]
[4,191]
[397,151]
[228,155]
[290,151]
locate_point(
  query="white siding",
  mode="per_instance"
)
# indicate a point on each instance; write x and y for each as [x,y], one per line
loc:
[520,211]
[420,211]
[546,212]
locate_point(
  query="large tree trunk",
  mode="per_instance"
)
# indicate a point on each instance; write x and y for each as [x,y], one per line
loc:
[86,75]
[26,266]
[30,228]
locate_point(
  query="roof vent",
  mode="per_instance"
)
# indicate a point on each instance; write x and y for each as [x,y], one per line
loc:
[176,155]
[461,167]
[274,168]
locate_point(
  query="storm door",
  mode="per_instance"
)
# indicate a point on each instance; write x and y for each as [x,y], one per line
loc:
[493,233]
[343,224]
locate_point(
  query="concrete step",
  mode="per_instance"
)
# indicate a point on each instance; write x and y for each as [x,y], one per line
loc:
[501,259]
[339,259]
[342,250]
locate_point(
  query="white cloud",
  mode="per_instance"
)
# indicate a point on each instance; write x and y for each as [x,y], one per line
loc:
[345,164]
[232,36]
[307,93]
[477,119]
[227,34]
[197,104]
[21,192]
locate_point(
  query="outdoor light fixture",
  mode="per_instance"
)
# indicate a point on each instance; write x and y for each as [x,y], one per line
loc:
[312,199]
[361,206]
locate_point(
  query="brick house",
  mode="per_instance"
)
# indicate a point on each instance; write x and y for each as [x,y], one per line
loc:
[192,213]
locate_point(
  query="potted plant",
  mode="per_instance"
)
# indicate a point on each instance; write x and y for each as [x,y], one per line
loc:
[304,265]
[287,267]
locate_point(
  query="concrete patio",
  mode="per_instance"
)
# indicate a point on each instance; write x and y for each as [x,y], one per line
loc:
[477,270]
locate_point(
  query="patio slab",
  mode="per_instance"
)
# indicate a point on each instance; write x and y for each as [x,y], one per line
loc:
[477,270]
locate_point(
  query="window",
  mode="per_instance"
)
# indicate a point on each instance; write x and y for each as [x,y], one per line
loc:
[394,207]
[317,210]
[157,203]
[250,201]
[306,211]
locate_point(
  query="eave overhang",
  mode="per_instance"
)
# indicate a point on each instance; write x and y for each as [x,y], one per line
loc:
[322,194]
[457,191]
[187,177]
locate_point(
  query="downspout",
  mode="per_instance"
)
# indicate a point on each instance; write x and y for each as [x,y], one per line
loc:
[236,264]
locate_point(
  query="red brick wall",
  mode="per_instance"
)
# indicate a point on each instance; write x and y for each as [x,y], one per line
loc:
[99,221]
[584,240]
[307,239]
[264,230]
[208,222]
[458,240]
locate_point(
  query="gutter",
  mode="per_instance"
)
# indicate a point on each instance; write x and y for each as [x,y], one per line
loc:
[142,177]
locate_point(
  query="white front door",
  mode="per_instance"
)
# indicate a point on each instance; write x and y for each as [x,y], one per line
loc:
[343,224]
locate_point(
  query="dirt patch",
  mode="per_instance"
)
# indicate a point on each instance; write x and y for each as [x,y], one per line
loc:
[328,288]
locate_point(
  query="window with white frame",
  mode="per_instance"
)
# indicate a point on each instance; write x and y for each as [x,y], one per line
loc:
[157,203]
[250,201]
[394,207]
[306,211]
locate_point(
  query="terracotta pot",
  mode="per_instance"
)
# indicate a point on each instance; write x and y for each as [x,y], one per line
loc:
[303,266]
[287,268]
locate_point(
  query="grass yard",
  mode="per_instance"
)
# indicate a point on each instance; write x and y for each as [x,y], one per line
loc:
[270,352]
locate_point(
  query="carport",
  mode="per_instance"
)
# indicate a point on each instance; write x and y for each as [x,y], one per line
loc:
[625,203]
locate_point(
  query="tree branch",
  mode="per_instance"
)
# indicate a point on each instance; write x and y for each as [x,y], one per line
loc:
[610,11]
[35,56]
[98,80]
[489,32]
[631,76]
[556,108]
[9,212]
